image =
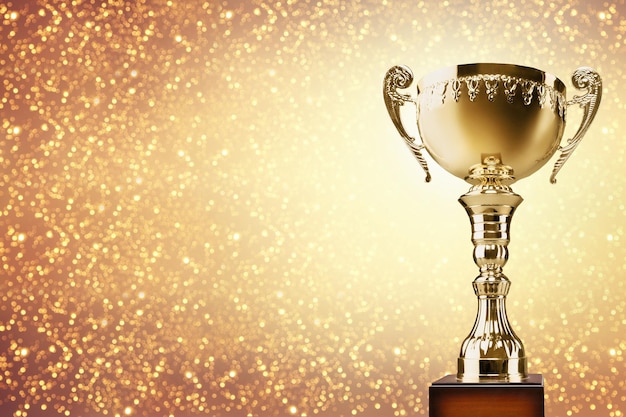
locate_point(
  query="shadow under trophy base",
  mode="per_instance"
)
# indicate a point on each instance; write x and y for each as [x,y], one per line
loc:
[491,125]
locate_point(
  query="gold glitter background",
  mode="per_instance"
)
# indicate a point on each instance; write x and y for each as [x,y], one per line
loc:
[205,209]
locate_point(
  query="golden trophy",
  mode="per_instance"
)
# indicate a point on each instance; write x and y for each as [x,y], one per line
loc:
[491,125]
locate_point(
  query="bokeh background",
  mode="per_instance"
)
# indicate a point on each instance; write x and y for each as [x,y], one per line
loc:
[205,209]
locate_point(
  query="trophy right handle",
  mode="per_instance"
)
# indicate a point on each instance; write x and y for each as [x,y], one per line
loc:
[401,76]
[583,78]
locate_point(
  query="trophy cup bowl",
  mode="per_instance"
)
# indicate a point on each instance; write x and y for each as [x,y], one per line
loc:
[491,124]
[491,111]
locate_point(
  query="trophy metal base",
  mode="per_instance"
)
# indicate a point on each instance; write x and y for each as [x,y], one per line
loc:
[449,397]
[492,370]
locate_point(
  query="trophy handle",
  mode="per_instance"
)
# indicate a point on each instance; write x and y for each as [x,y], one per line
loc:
[589,79]
[400,76]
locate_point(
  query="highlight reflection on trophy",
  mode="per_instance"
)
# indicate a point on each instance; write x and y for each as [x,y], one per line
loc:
[491,125]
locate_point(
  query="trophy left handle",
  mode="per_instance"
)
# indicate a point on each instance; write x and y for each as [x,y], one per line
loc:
[401,76]
[583,78]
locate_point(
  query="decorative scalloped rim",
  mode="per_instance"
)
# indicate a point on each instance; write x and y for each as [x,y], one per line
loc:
[436,94]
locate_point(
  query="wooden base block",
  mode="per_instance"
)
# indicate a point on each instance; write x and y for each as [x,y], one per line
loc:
[451,398]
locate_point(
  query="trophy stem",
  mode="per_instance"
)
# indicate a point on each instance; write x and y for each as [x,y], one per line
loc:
[492,351]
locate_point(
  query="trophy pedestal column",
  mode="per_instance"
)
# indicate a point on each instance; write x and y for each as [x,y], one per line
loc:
[448,397]
[492,352]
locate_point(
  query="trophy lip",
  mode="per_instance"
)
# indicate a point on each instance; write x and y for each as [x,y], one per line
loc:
[491,68]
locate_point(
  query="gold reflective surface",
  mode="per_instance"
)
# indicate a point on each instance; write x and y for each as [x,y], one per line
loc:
[491,110]
[492,351]
[506,115]
[206,211]
[491,124]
